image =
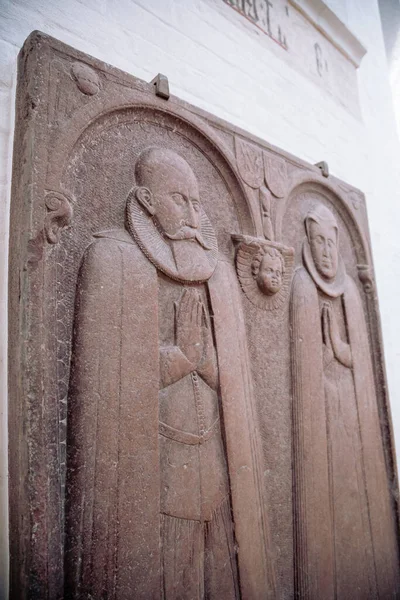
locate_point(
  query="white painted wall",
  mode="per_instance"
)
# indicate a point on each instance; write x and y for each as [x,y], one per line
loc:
[215,62]
[390,16]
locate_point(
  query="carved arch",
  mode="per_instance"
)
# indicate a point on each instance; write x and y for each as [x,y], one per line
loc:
[201,135]
[304,182]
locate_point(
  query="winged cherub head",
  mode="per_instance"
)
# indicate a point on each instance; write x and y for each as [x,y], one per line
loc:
[268,268]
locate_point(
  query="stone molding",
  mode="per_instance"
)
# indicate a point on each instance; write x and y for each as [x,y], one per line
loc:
[325,20]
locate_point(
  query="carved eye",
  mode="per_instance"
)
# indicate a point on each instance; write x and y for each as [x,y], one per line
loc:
[196,205]
[179,199]
[319,239]
[331,243]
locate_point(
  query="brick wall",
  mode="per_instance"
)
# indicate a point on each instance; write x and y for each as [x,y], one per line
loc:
[219,63]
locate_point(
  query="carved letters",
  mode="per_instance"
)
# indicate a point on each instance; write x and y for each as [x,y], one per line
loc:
[259,12]
[196,385]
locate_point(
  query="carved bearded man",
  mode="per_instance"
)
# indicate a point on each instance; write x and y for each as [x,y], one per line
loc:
[161,454]
[345,544]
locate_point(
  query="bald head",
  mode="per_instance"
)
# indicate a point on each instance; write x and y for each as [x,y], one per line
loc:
[156,165]
[167,188]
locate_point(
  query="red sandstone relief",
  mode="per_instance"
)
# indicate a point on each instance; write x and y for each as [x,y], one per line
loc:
[198,405]
[345,537]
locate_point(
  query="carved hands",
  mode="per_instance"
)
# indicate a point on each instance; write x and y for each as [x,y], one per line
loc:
[194,349]
[189,314]
[194,336]
[327,347]
[334,347]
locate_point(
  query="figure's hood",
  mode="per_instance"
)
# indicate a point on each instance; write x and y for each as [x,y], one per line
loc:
[333,288]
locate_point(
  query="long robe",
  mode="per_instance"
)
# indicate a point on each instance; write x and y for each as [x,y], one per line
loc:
[113,478]
[345,529]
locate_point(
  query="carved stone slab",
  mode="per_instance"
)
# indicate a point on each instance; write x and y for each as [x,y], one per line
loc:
[197,402]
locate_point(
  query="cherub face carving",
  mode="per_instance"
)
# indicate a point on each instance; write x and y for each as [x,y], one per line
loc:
[265,271]
[268,269]
[168,190]
[322,238]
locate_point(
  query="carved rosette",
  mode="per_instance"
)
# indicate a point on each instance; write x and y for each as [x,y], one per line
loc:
[355,200]
[59,215]
[247,250]
[366,277]
[275,170]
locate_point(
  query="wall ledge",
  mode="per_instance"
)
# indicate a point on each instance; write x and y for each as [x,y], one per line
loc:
[325,20]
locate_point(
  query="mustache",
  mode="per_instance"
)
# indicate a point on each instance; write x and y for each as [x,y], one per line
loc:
[189,233]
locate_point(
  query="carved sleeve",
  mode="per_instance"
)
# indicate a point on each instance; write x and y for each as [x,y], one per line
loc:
[341,349]
[207,368]
[343,353]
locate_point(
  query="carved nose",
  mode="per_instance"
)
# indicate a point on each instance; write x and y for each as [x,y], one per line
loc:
[192,217]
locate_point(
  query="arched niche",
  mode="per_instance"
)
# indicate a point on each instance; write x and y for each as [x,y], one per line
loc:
[307,189]
[104,112]
[359,265]
[330,194]
[92,164]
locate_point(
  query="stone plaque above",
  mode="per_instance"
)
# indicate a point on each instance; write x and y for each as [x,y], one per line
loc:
[197,398]
[309,36]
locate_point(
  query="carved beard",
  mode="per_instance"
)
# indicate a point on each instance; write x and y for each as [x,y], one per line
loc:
[188,233]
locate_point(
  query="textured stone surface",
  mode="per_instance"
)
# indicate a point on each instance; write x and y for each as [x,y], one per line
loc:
[136,223]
